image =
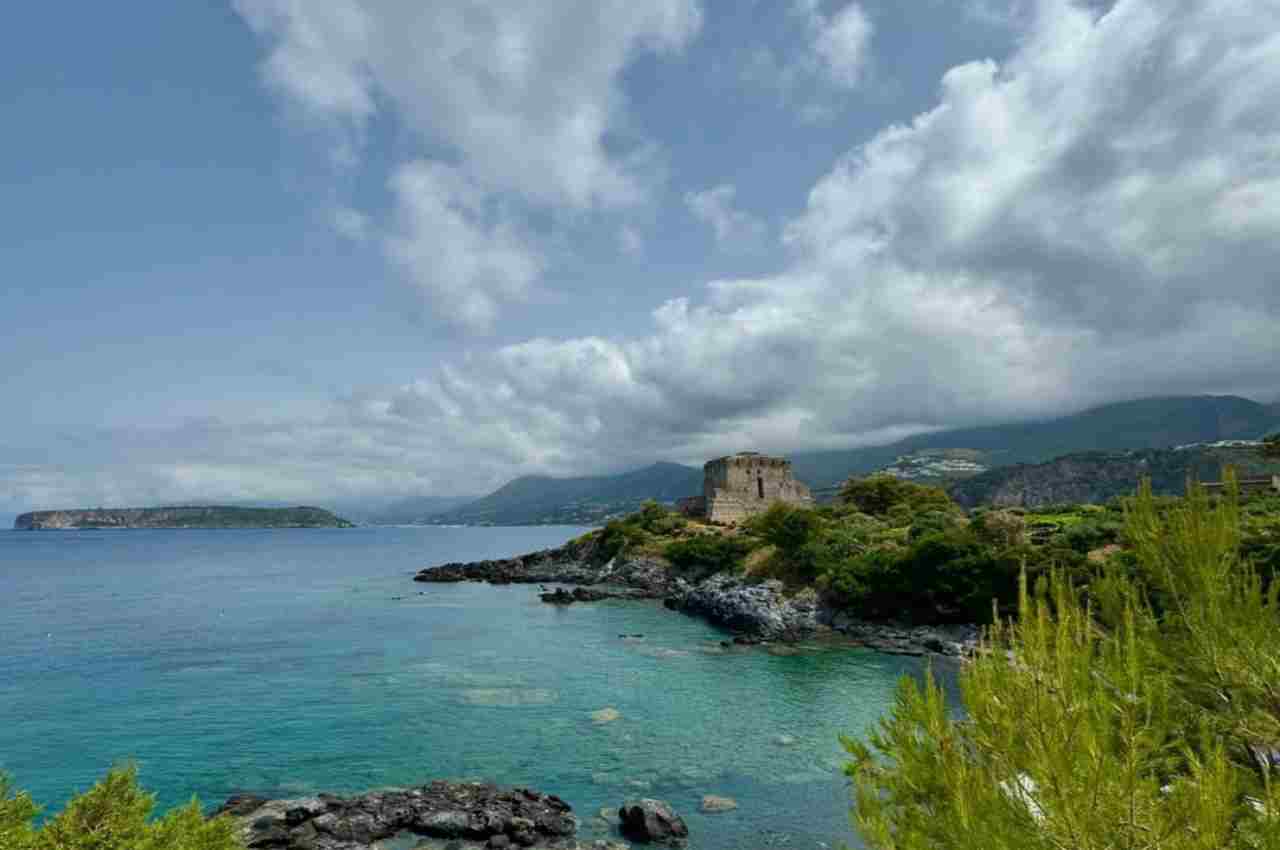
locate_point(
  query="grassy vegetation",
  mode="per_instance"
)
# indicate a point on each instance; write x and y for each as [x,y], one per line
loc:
[113,815]
[1139,708]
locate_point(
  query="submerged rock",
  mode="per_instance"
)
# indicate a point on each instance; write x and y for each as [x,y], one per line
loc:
[474,812]
[605,715]
[713,804]
[652,821]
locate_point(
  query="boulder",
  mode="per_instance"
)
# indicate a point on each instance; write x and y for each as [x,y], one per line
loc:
[652,822]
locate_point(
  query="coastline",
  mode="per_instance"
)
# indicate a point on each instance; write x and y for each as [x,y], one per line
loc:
[752,612]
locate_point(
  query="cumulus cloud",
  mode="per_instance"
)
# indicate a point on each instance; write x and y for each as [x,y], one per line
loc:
[1090,221]
[458,244]
[521,99]
[715,207]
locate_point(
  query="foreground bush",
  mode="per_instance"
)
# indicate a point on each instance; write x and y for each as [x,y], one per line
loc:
[706,554]
[1144,714]
[110,816]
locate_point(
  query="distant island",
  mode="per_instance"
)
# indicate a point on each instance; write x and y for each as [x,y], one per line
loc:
[186,516]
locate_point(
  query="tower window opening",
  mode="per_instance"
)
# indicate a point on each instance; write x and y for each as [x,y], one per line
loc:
[760,486]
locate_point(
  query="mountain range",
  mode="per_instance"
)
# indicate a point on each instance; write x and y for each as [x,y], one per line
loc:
[1133,425]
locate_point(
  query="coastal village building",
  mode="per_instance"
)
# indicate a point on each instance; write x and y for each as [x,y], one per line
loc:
[740,486]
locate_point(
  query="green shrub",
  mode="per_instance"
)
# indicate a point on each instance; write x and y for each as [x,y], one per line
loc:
[878,494]
[786,527]
[616,536]
[706,554]
[932,522]
[1103,725]
[111,816]
[656,519]
[1092,534]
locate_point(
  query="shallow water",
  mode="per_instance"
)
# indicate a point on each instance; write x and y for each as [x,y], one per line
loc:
[293,661]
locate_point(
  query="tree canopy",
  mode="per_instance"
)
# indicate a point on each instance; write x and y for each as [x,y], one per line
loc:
[113,815]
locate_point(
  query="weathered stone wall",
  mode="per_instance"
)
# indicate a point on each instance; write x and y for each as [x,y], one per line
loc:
[740,486]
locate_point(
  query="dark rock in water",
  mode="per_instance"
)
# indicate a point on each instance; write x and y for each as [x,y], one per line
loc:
[562,596]
[652,821]
[467,811]
[577,562]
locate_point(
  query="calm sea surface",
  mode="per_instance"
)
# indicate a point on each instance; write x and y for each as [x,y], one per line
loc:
[289,662]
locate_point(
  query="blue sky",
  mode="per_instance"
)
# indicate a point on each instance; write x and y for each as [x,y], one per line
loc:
[305,251]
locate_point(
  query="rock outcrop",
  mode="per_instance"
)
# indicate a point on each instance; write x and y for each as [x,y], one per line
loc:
[472,812]
[652,822]
[578,562]
[761,611]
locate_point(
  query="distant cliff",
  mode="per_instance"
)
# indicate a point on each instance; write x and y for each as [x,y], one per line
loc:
[181,517]
[1096,477]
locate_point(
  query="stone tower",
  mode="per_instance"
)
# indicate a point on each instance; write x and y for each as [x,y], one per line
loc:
[743,485]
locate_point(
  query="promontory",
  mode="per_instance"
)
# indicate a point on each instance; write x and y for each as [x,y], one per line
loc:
[186,516]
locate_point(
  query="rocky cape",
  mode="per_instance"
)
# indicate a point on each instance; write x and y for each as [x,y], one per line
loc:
[472,814]
[756,612]
[186,516]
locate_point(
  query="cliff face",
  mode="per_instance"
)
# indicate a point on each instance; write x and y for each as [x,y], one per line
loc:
[181,517]
[1095,477]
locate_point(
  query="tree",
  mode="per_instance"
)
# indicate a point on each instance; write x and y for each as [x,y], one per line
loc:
[111,816]
[1140,715]
[878,494]
[1271,446]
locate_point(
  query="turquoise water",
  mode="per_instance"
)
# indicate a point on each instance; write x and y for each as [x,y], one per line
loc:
[288,662]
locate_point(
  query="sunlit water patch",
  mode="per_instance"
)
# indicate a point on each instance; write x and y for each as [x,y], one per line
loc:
[291,662]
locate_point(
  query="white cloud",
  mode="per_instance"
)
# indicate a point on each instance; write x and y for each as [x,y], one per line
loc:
[522,92]
[715,207]
[842,43]
[824,58]
[459,245]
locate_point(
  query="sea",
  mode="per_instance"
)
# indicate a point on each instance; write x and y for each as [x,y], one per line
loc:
[290,662]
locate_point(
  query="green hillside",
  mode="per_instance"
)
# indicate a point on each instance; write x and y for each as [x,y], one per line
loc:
[534,500]
[1146,423]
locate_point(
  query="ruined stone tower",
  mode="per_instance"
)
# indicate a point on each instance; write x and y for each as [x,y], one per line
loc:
[743,485]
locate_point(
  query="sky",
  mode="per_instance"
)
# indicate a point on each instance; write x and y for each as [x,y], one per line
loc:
[333,250]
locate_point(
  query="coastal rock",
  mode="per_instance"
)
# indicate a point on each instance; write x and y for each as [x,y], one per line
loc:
[759,611]
[956,641]
[473,812]
[652,821]
[605,715]
[713,804]
[564,596]
[578,562]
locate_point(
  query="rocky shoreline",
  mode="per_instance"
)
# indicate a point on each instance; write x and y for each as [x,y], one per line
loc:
[757,612]
[455,815]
